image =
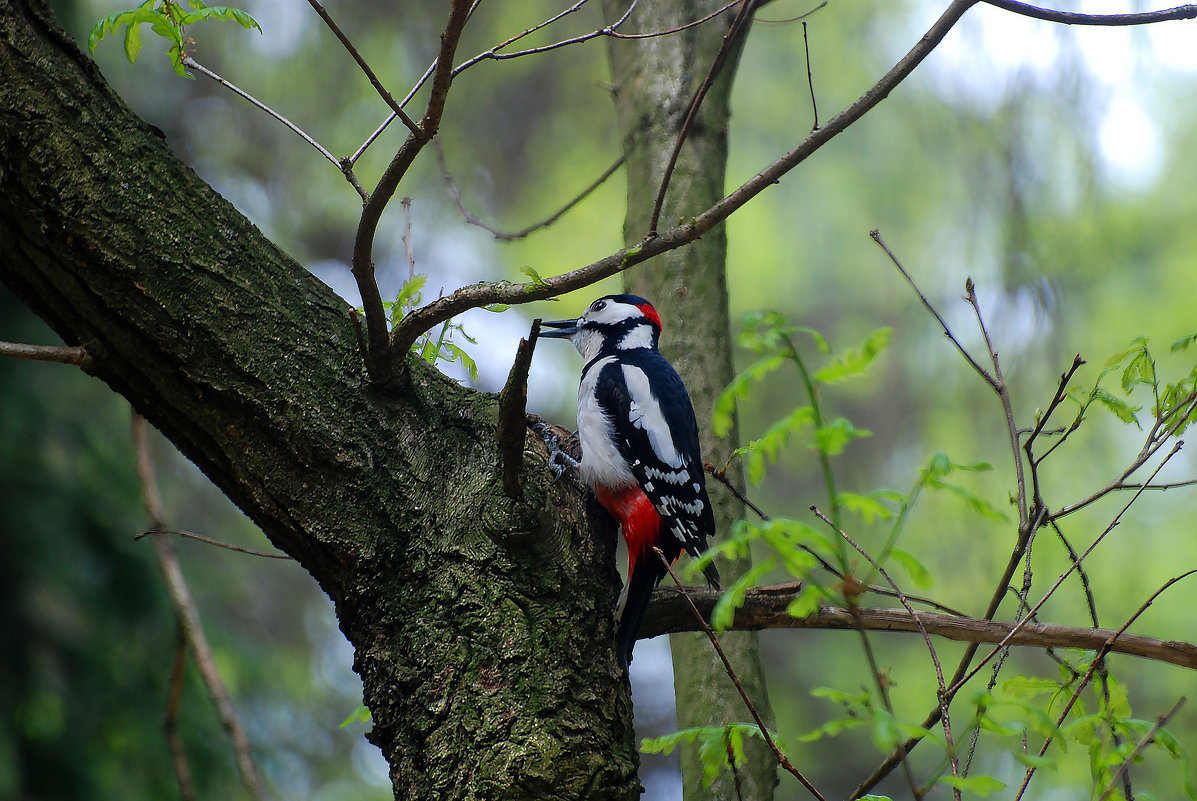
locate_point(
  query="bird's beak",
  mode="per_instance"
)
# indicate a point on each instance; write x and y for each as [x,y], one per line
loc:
[567,329]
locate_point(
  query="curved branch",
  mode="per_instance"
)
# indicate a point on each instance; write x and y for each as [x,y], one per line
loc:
[1111,20]
[508,292]
[765,608]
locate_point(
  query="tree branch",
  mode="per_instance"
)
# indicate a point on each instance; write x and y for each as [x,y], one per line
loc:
[455,195]
[61,354]
[361,62]
[1113,20]
[765,608]
[379,365]
[513,403]
[476,295]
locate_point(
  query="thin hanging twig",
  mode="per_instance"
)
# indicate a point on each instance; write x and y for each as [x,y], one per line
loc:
[738,26]
[188,615]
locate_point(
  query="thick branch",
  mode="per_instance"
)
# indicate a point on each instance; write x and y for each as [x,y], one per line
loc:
[765,608]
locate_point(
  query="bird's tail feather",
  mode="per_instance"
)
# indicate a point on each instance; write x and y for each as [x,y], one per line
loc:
[712,575]
[634,602]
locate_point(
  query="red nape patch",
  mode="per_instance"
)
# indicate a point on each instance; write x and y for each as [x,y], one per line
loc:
[637,518]
[650,313]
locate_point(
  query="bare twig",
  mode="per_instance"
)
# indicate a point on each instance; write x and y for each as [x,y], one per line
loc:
[1057,399]
[170,722]
[611,31]
[1025,528]
[1113,20]
[781,758]
[981,371]
[188,615]
[721,477]
[476,295]
[513,401]
[810,78]
[455,196]
[61,354]
[346,168]
[730,39]
[209,541]
[361,62]
[1147,740]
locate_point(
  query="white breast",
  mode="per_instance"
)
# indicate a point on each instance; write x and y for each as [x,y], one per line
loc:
[601,462]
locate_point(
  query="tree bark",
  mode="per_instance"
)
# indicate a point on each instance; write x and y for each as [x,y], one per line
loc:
[481,624]
[655,80]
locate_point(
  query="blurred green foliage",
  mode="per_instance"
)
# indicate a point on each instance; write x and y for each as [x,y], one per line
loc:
[988,162]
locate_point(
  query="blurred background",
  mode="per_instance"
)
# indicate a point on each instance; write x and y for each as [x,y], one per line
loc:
[1052,165]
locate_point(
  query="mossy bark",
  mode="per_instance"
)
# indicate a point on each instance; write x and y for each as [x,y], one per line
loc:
[481,624]
[654,81]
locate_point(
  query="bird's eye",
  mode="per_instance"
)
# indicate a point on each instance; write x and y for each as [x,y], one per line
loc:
[599,305]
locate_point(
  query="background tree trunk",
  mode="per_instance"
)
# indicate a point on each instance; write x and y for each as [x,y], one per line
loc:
[481,624]
[654,82]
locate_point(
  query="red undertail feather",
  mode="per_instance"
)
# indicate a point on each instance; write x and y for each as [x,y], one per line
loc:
[637,518]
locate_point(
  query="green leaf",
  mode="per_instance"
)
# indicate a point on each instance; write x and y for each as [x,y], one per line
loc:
[833,436]
[1028,687]
[497,308]
[1033,760]
[983,786]
[359,715]
[869,507]
[724,613]
[855,362]
[738,389]
[884,731]
[534,276]
[451,352]
[1121,409]
[807,602]
[410,293]
[974,501]
[1183,343]
[913,567]
[132,42]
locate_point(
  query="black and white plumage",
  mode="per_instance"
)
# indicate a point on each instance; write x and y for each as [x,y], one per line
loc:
[640,449]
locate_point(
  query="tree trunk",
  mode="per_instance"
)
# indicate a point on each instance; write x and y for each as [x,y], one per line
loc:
[481,624]
[654,83]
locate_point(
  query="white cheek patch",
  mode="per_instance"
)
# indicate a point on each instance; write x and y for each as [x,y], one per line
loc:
[645,414]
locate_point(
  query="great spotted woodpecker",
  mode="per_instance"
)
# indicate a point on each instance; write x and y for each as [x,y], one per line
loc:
[640,449]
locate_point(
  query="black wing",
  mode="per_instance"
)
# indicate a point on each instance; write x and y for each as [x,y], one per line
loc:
[650,411]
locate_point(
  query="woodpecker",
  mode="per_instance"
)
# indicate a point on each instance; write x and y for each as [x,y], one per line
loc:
[640,450]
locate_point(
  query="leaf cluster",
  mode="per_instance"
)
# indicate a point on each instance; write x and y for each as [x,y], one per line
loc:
[168,19]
